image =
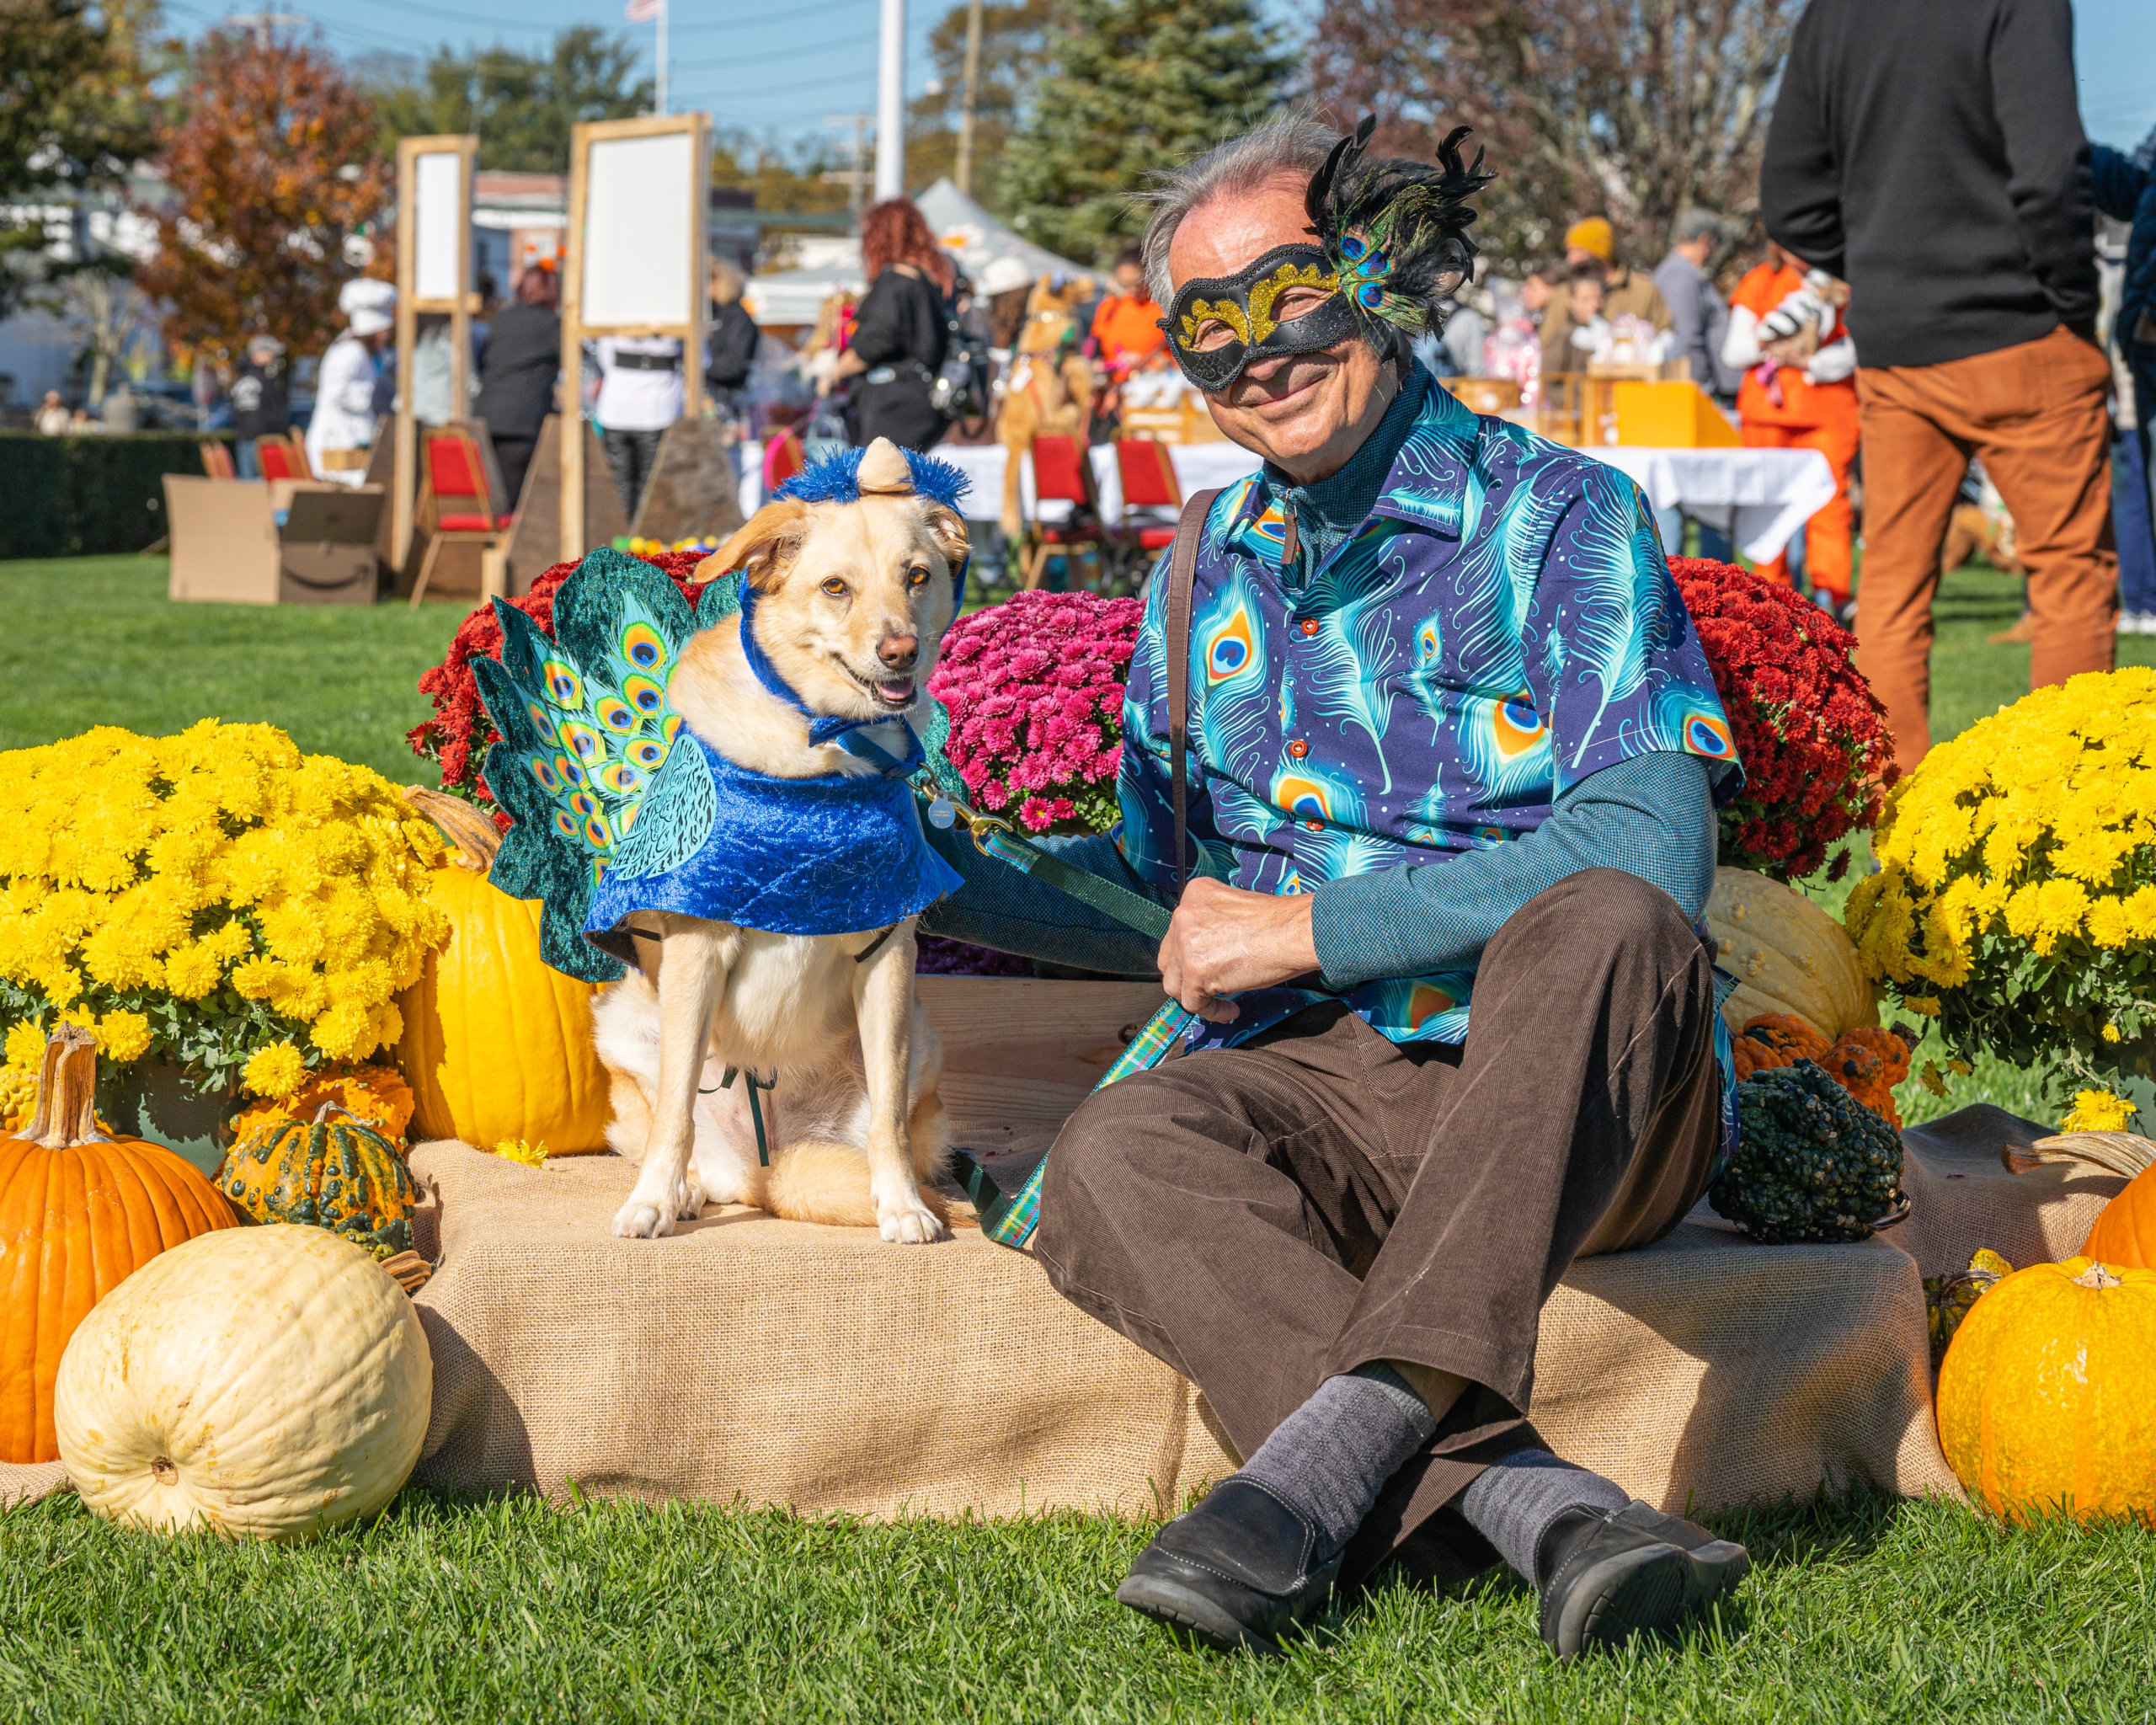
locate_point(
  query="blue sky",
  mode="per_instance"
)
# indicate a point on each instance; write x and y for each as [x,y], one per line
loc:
[784,65]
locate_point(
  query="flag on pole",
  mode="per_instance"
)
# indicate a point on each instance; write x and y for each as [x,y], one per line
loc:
[644,11]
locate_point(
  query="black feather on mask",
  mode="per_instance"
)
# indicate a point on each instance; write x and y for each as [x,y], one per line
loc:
[1396,230]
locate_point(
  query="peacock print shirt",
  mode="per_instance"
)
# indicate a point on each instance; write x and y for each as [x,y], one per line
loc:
[1501,625]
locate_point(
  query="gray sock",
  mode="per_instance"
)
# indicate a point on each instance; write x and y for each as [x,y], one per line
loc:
[1513,1502]
[1330,1458]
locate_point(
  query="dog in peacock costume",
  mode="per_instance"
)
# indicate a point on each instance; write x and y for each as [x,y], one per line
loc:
[715,807]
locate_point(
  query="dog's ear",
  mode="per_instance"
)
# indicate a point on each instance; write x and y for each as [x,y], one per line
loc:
[947,528]
[764,545]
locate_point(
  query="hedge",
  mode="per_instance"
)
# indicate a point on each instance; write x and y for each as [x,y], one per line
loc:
[70,496]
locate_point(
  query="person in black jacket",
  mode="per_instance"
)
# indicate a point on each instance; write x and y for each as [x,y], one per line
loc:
[902,329]
[259,407]
[1929,152]
[516,377]
[731,350]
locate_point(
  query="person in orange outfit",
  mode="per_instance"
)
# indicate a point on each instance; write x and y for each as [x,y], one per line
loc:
[1127,334]
[1799,392]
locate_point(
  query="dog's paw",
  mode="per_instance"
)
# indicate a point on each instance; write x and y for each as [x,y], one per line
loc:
[652,1216]
[904,1219]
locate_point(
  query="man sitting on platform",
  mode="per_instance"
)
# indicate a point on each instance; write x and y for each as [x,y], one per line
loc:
[1453,751]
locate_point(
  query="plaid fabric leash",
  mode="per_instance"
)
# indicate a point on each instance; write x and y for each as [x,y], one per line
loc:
[1009,1218]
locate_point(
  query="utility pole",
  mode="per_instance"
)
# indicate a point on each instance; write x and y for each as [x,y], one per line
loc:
[966,104]
[263,23]
[856,178]
[891,104]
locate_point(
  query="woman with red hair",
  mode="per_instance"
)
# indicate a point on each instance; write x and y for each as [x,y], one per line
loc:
[902,329]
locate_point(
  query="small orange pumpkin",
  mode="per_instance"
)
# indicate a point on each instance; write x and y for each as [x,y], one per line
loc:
[80,1211]
[2125,1234]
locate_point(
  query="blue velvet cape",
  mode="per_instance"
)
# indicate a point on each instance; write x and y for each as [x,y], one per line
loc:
[835,854]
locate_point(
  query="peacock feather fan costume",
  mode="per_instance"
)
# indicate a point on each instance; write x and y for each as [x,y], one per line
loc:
[616,807]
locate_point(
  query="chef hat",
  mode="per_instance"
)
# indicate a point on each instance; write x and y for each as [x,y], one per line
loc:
[367,304]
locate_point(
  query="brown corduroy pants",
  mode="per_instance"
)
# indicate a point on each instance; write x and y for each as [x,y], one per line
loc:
[2034,414]
[1264,1217]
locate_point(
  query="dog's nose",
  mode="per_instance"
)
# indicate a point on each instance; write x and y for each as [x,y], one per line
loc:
[899,652]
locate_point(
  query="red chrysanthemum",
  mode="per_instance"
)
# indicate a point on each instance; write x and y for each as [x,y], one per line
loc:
[1812,737]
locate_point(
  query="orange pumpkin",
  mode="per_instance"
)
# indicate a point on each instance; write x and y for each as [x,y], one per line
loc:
[496,1044]
[2043,1398]
[2125,1233]
[80,1212]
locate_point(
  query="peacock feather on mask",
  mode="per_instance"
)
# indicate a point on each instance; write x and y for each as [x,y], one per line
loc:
[1395,229]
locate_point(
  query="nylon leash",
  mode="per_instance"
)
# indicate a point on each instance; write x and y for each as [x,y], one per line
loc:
[1010,1218]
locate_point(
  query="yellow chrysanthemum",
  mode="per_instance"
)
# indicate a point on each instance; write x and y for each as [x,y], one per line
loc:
[25,1048]
[377,1095]
[2098,1111]
[123,1037]
[515,1150]
[275,1072]
[18,1099]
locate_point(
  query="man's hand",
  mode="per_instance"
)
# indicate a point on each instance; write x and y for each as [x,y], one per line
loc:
[1224,940]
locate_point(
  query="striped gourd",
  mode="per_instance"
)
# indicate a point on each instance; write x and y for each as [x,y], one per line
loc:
[333,1171]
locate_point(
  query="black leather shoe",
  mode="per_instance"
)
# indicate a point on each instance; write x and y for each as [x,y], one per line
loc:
[1234,1572]
[1637,1572]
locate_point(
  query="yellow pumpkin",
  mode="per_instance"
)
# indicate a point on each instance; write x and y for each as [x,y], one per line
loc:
[1788,956]
[2044,1398]
[496,1044]
[272,1382]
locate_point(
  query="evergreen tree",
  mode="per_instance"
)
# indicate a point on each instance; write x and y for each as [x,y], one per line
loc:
[523,106]
[1134,86]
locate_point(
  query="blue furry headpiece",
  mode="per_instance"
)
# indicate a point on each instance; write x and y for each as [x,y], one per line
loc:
[836,478]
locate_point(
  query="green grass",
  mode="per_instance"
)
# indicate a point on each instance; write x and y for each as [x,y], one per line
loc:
[505,1609]
[93,640]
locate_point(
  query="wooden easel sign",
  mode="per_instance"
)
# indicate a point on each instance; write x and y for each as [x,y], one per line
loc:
[434,274]
[637,263]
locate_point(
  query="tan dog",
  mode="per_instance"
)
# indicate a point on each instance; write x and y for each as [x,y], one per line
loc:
[853,599]
[1041,394]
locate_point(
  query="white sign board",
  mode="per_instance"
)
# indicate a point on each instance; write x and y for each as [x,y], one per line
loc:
[637,246]
[438,189]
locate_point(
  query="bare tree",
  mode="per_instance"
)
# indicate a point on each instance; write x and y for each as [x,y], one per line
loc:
[1630,109]
[98,302]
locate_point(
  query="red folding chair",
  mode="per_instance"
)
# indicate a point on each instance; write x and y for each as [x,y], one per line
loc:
[274,456]
[1063,474]
[784,456]
[464,512]
[1149,483]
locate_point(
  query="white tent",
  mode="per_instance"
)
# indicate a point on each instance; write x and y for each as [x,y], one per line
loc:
[965,230]
[977,239]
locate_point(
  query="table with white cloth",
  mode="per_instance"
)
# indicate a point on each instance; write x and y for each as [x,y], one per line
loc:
[1760,496]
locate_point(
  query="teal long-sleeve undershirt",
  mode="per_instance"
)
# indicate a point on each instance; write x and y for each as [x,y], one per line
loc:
[1651,816]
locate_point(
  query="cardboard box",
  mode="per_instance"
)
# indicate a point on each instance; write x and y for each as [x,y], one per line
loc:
[228,543]
[1670,415]
[1483,395]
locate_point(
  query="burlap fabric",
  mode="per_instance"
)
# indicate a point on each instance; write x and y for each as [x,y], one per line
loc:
[777,1363]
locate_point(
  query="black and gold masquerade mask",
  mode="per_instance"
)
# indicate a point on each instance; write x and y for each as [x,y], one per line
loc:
[1392,242]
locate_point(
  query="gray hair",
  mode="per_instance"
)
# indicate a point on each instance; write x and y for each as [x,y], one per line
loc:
[1293,146]
[1696,223]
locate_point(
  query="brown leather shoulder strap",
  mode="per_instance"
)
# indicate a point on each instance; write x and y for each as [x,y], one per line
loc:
[1182,574]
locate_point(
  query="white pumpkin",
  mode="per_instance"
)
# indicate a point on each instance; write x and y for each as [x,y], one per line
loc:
[272,1382]
[1787,955]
